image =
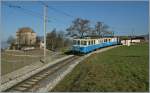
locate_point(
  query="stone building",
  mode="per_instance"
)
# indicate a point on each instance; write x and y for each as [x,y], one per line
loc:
[25,37]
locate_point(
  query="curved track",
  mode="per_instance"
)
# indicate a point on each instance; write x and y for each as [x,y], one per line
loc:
[33,83]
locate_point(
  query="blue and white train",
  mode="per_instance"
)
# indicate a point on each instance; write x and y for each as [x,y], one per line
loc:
[86,45]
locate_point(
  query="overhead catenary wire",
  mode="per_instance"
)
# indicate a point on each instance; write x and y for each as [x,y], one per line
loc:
[35,14]
[57,10]
[29,12]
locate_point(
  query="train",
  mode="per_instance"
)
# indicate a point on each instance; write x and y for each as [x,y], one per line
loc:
[89,44]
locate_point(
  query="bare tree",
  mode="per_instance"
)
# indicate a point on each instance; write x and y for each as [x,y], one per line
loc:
[99,28]
[91,32]
[38,40]
[105,31]
[79,27]
[11,40]
[60,40]
[51,40]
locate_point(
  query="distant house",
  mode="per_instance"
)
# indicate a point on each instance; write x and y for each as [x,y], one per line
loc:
[137,39]
[132,40]
[25,37]
[126,42]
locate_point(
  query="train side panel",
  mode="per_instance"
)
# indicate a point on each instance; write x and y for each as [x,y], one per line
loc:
[97,45]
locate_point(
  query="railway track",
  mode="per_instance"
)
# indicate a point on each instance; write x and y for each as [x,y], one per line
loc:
[33,83]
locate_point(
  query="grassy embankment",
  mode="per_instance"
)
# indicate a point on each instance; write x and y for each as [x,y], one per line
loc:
[120,69]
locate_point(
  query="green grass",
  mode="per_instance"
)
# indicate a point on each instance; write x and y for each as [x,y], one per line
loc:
[121,69]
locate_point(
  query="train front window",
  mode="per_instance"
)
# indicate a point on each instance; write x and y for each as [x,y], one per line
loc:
[74,42]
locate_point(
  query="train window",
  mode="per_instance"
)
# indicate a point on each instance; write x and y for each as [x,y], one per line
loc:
[105,40]
[78,42]
[84,43]
[81,42]
[109,40]
[89,42]
[94,41]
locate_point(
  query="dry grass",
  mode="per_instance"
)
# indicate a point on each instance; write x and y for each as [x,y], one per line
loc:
[13,60]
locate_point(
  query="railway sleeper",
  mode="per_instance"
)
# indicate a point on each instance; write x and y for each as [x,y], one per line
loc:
[26,85]
[34,80]
[30,82]
[49,72]
[40,75]
[20,88]
[39,78]
[45,74]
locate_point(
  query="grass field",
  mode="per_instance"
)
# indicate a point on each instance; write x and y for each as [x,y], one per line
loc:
[121,69]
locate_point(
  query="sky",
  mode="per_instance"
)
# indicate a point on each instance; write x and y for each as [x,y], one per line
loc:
[123,17]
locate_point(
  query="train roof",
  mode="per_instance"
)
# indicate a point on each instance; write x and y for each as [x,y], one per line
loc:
[87,38]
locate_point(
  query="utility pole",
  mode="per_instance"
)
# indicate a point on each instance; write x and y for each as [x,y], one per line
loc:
[132,34]
[45,21]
